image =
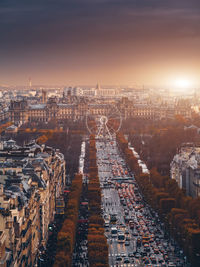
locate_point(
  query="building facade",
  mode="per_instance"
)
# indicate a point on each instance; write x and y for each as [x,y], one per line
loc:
[31,179]
[77,109]
[185,169]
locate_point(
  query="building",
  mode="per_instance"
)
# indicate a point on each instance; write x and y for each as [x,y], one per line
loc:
[44,96]
[5,255]
[11,129]
[4,113]
[19,111]
[32,178]
[185,169]
[76,108]
[72,91]
[105,92]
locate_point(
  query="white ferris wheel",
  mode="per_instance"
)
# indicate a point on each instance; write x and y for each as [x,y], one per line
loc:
[106,125]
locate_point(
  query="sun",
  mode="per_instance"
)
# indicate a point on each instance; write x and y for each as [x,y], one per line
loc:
[183,83]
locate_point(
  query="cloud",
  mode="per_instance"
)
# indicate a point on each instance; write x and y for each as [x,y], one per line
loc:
[50,18]
[78,31]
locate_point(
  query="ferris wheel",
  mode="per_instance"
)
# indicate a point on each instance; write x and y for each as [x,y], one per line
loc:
[104,125]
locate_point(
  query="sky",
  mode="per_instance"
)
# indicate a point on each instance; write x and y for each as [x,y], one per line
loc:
[77,42]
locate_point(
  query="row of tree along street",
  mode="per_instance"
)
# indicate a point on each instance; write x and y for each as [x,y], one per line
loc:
[181,214]
[97,242]
[157,141]
[67,234]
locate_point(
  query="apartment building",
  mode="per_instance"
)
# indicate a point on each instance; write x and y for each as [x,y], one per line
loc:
[185,169]
[32,177]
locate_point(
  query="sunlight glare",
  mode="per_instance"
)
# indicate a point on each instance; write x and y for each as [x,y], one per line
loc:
[183,84]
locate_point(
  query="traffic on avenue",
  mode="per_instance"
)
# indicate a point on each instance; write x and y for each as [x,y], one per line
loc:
[134,233]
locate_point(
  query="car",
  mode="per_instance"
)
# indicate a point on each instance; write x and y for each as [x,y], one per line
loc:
[137,255]
[144,253]
[171,264]
[147,249]
[126,260]
[153,260]
[146,261]
[132,260]
[106,225]
[118,258]
[135,234]
[127,243]
[160,260]
[126,213]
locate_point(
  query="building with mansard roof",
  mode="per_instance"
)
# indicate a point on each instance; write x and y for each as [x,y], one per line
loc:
[76,108]
[185,169]
[32,178]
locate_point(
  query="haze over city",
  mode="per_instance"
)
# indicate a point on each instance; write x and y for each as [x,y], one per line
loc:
[116,42]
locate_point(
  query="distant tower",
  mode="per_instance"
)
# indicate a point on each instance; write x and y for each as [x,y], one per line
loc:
[98,87]
[44,96]
[29,82]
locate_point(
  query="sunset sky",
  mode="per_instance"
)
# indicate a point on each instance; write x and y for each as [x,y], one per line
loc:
[133,42]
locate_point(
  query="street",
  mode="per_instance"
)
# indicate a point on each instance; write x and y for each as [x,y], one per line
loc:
[134,232]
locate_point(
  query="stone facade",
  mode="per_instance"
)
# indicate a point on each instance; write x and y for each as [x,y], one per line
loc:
[31,179]
[21,112]
[185,169]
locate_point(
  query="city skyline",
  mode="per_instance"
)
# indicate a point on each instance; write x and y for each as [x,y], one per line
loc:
[114,42]
[100,133]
